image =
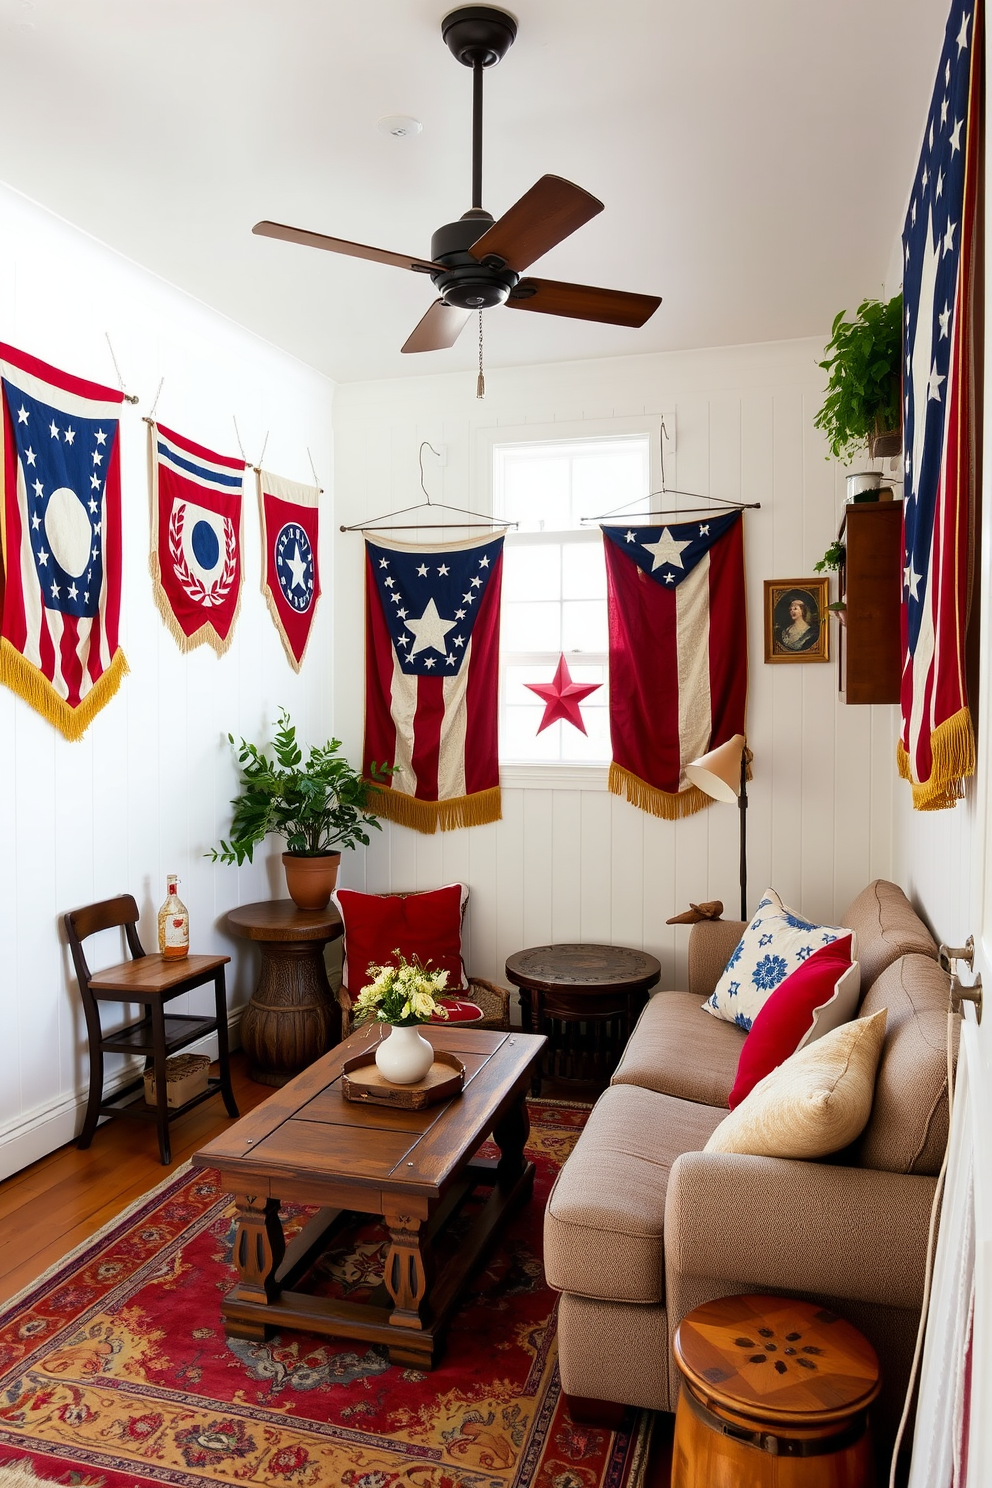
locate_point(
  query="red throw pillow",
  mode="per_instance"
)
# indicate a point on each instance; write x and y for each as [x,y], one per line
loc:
[425,925]
[819,995]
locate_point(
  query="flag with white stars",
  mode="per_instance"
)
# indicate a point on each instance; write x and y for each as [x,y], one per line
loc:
[431,679]
[290,577]
[937,746]
[678,654]
[61,573]
[196,539]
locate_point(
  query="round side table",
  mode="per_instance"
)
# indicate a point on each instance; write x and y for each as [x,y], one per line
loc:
[292,1017]
[585,999]
[775,1393]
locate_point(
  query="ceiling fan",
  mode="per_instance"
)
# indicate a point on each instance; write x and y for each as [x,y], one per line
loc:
[477,262]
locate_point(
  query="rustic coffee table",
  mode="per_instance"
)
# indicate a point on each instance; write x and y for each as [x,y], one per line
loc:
[308,1145]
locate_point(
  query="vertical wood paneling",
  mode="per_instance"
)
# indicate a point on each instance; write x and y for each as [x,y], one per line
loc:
[571,862]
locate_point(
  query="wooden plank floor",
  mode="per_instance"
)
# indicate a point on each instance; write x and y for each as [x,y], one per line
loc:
[58,1202]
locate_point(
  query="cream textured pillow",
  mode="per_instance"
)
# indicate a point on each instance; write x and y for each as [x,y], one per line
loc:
[815,1103]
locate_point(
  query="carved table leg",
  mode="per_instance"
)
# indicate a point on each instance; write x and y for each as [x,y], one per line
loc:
[292,1018]
[510,1137]
[259,1248]
[409,1267]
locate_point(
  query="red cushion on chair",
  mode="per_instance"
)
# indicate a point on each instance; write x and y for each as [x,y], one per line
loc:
[819,995]
[426,925]
[460,1012]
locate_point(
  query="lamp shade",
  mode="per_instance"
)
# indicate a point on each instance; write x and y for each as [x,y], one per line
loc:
[719,772]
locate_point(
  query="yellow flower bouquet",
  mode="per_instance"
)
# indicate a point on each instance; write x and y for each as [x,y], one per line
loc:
[402,994]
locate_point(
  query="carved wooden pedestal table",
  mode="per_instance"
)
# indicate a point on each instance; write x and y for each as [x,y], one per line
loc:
[308,1145]
[292,1017]
[586,999]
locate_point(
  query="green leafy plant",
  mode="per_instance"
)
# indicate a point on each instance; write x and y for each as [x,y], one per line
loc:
[402,994]
[319,805]
[863,359]
[832,558]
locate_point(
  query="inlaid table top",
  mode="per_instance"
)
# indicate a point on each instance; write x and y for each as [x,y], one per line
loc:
[777,1359]
[604,968]
[279,919]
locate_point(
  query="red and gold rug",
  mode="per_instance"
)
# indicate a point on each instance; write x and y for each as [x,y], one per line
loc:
[115,1371]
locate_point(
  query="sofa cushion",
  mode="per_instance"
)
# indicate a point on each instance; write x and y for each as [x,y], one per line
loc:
[776,941]
[605,1220]
[677,1050]
[907,1129]
[815,1103]
[887,927]
[818,996]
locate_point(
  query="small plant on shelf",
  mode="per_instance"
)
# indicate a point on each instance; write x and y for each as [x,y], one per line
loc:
[832,560]
[863,358]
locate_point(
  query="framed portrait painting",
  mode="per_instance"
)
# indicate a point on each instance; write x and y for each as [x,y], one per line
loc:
[796,620]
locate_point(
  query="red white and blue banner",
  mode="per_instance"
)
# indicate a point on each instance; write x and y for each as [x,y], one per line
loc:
[290,575]
[196,539]
[936,749]
[678,655]
[431,680]
[60,580]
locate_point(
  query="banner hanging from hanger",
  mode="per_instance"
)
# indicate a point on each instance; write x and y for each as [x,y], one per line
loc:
[196,539]
[60,582]
[431,680]
[678,655]
[290,574]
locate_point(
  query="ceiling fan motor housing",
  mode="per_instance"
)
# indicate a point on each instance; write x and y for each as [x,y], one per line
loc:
[479,34]
[465,282]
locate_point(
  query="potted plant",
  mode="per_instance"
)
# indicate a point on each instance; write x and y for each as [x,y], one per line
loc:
[403,995]
[833,561]
[863,358]
[319,805]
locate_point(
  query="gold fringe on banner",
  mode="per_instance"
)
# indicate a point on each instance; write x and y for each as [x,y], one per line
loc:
[952,752]
[657,802]
[206,635]
[436,816]
[25,679]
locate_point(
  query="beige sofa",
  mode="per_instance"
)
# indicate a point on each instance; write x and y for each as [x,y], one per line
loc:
[642,1225]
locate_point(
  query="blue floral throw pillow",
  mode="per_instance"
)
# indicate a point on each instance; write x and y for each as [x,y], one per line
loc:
[775,943]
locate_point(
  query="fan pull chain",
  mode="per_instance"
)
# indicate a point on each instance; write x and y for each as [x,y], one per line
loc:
[480,386]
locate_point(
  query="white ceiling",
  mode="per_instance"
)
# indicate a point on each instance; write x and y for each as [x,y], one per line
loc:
[754,156]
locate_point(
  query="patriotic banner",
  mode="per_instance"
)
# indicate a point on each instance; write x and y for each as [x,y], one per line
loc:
[936,748]
[431,680]
[290,579]
[196,539]
[60,580]
[678,655]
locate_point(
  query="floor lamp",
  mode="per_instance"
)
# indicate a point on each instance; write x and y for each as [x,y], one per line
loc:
[722,774]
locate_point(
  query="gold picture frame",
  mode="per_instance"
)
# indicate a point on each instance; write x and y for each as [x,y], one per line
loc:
[796,620]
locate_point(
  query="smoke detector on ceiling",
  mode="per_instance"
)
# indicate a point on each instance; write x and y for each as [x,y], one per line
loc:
[400,126]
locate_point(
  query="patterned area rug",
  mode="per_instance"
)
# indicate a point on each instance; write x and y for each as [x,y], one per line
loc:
[115,1371]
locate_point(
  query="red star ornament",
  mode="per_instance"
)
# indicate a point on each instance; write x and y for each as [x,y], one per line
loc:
[562,697]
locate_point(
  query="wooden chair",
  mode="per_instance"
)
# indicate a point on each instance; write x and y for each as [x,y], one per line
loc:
[151,981]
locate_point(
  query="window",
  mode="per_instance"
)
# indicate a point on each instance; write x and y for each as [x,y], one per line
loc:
[554,584]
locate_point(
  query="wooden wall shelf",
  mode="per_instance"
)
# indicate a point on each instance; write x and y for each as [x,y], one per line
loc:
[870,648]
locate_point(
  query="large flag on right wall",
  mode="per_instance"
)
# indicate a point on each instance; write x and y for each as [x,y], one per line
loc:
[936,749]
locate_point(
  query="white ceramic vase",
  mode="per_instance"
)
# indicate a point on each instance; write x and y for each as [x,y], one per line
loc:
[405,1056]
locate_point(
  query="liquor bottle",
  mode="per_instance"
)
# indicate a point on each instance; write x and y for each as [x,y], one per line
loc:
[173,923]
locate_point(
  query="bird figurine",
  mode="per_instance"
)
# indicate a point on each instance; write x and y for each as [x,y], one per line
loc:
[711,910]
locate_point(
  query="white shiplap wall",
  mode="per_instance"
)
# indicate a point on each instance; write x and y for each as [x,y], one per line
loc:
[146,790]
[572,863]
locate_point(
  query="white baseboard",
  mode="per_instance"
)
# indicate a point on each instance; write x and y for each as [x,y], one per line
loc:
[31,1137]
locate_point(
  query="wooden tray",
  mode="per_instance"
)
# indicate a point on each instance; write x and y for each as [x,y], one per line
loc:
[362,1081]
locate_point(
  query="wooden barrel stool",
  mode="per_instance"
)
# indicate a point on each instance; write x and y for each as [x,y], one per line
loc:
[775,1394]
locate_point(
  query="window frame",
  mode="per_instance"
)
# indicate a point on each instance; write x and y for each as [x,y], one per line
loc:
[558,774]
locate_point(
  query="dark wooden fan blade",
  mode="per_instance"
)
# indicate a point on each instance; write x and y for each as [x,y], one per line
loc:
[543,216]
[341,245]
[440,327]
[583,302]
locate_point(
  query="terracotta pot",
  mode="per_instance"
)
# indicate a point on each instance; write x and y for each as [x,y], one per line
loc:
[311,880]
